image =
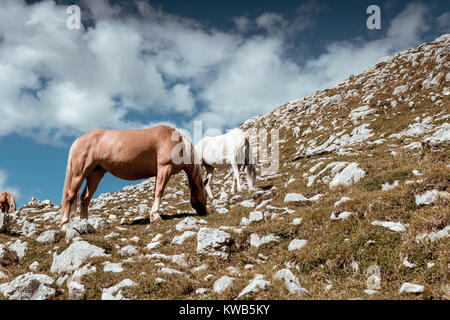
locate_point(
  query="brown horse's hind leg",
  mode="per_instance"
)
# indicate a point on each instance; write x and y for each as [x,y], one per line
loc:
[162,178]
[71,197]
[92,181]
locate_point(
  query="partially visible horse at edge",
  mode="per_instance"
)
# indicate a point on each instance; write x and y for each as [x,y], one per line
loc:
[130,155]
[230,149]
[7,202]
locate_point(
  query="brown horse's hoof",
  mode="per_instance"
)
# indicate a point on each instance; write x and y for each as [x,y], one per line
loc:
[63,222]
[154,217]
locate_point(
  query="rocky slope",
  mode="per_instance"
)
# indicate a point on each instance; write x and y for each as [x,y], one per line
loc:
[359,208]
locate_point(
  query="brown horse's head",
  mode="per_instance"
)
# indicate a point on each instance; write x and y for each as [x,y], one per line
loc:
[198,192]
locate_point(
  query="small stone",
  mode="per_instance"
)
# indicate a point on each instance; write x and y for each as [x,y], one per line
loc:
[222,284]
[128,250]
[76,290]
[201,291]
[48,236]
[154,245]
[113,267]
[411,288]
[258,283]
[341,215]
[430,197]
[213,242]
[222,210]
[114,292]
[200,268]
[297,244]
[255,216]
[394,226]
[34,266]
[180,239]
[291,281]
[257,241]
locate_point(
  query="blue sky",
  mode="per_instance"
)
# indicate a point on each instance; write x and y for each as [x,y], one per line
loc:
[136,64]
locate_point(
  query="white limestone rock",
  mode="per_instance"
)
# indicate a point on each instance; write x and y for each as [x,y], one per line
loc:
[222,284]
[19,247]
[297,244]
[343,199]
[76,290]
[361,112]
[114,292]
[189,223]
[394,226]
[29,286]
[74,256]
[430,197]
[256,240]
[434,236]
[291,282]
[213,242]
[387,186]
[257,284]
[180,239]
[34,266]
[77,228]
[255,216]
[128,250]
[222,210]
[341,215]
[351,174]
[113,267]
[411,288]
[49,236]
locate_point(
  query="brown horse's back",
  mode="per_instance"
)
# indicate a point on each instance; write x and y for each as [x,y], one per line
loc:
[114,150]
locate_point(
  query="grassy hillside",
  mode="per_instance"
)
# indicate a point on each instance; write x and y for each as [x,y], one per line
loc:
[392,121]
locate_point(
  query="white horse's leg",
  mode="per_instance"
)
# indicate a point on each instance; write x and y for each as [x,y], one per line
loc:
[248,177]
[209,174]
[232,185]
[236,176]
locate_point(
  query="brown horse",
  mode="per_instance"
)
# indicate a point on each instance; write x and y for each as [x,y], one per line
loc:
[130,155]
[7,202]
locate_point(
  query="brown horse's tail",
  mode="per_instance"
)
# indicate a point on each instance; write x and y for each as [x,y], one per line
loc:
[67,183]
[12,202]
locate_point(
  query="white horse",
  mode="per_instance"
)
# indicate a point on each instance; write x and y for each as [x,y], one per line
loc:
[231,149]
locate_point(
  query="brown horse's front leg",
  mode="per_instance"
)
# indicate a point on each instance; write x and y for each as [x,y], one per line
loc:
[162,177]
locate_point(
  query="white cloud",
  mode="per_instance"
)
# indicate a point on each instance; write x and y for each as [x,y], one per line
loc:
[258,77]
[55,81]
[444,21]
[5,187]
[272,22]
[242,23]
[409,24]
